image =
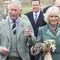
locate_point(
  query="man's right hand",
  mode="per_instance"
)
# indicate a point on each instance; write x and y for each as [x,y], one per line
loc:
[4,51]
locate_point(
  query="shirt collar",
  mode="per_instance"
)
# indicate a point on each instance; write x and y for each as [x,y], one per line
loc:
[11,21]
[37,13]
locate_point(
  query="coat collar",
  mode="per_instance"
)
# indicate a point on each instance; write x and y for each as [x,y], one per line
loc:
[50,32]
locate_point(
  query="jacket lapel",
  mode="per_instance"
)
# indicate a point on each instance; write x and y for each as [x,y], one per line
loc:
[58,31]
[32,19]
[7,29]
[50,33]
[19,29]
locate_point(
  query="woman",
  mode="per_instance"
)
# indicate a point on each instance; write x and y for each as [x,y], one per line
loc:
[51,31]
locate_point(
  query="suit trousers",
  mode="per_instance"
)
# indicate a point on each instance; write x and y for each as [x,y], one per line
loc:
[13,58]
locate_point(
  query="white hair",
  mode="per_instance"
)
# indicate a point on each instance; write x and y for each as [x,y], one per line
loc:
[18,3]
[51,11]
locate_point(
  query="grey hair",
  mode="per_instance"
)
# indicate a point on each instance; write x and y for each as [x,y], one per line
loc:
[51,11]
[18,3]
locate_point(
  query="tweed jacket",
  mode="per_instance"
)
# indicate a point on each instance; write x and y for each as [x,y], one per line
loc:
[5,37]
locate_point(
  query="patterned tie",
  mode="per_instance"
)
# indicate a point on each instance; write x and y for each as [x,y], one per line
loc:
[35,17]
[14,27]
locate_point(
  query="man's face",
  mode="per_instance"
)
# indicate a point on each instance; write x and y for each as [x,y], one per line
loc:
[13,11]
[35,6]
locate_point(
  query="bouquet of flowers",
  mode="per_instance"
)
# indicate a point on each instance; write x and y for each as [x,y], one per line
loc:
[49,44]
[38,46]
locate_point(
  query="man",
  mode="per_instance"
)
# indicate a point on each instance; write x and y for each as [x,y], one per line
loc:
[36,9]
[45,9]
[15,32]
[36,18]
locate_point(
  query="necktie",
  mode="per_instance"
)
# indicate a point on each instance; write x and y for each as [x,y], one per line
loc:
[35,17]
[14,27]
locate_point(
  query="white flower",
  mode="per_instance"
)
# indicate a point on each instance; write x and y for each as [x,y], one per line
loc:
[49,43]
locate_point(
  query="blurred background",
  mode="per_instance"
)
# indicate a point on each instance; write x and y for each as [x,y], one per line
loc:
[26,5]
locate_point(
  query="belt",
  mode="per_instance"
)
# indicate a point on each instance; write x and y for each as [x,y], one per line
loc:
[13,58]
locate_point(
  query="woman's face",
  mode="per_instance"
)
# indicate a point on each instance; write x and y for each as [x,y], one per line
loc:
[53,19]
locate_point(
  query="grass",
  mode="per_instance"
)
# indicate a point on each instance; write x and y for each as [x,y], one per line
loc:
[26,8]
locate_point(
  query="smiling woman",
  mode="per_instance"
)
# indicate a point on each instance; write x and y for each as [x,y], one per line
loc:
[52,17]
[51,12]
[51,31]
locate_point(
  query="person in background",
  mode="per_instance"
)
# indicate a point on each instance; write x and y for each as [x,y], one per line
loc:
[57,4]
[5,6]
[36,18]
[51,4]
[15,32]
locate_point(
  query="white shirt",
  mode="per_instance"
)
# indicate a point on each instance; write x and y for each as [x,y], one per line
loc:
[37,14]
[11,22]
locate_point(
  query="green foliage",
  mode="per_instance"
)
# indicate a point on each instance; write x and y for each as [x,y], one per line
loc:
[26,8]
